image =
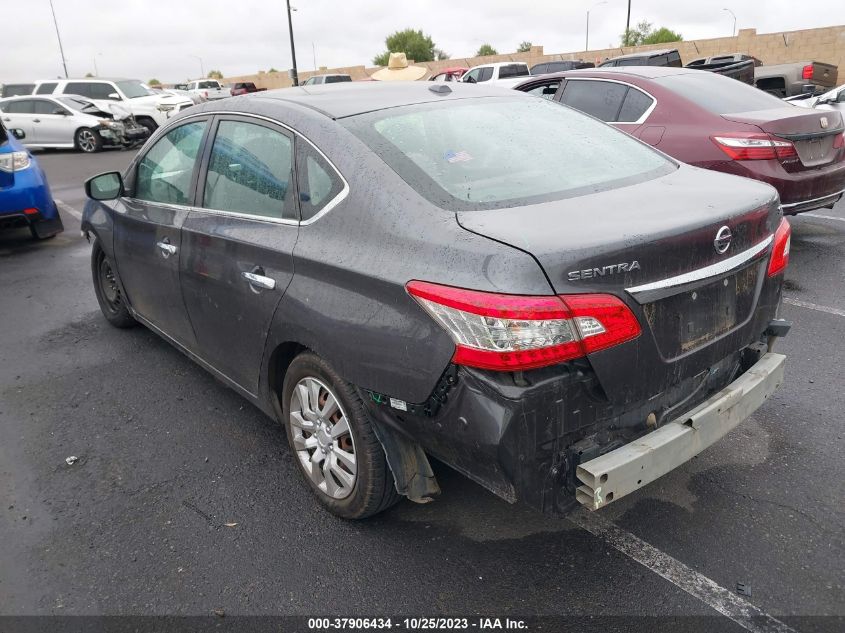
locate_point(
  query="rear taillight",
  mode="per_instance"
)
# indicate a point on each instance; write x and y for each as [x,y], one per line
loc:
[807,72]
[780,252]
[514,332]
[839,141]
[755,147]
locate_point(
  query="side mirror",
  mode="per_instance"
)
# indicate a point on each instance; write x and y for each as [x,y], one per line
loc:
[470,80]
[107,186]
[840,98]
[114,96]
[18,133]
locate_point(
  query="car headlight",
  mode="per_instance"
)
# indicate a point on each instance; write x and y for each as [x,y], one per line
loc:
[114,125]
[14,161]
[164,107]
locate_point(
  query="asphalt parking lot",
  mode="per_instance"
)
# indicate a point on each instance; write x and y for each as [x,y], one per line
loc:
[185,498]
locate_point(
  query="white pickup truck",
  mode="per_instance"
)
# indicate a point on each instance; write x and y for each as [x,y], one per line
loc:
[208,88]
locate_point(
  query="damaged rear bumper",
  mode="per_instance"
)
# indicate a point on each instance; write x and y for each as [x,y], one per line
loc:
[613,475]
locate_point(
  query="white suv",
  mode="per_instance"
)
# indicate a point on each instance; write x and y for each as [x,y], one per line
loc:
[492,73]
[151,109]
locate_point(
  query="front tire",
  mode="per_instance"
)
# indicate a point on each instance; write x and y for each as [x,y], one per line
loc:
[148,123]
[108,291]
[88,141]
[333,442]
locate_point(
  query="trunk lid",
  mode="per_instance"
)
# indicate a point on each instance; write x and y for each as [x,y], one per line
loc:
[811,131]
[626,240]
[667,226]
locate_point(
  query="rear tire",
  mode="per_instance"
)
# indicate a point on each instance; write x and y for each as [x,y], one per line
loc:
[108,291]
[334,446]
[87,140]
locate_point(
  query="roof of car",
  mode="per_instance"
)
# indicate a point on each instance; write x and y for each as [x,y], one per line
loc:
[655,53]
[351,98]
[646,72]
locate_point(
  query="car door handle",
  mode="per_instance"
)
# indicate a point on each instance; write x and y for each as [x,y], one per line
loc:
[259,281]
[166,249]
[36,120]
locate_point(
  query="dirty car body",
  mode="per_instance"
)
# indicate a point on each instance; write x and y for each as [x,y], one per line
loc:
[516,320]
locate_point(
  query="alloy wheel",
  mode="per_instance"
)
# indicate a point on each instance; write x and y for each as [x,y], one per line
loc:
[322,438]
[86,140]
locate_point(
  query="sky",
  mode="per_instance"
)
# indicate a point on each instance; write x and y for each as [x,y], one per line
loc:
[173,40]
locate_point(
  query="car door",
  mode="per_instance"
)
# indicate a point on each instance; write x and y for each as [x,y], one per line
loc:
[148,223]
[20,114]
[238,243]
[56,124]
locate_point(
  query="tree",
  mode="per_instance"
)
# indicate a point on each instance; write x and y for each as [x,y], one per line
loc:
[215,74]
[153,82]
[415,44]
[273,70]
[89,74]
[486,49]
[524,47]
[644,33]
[440,54]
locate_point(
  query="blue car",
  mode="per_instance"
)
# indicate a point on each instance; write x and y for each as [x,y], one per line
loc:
[25,198]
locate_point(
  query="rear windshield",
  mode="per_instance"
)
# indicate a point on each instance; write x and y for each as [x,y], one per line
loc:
[718,94]
[500,152]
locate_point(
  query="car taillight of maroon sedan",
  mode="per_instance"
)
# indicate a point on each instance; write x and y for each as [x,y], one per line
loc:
[716,123]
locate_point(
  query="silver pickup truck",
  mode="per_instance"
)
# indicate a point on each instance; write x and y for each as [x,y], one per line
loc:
[786,80]
[210,89]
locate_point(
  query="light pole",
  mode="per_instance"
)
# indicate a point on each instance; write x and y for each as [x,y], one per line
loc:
[734,17]
[628,23]
[295,76]
[202,68]
[587,42]
[94,59]
[59,37]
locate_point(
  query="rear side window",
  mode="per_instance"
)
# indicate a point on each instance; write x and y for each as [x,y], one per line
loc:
[250,171]
[82,88]
[337,79]
[635,105]
[485,74]
[718,94]
[601,99]
[17,90]
[165,173]
[546,90]
[46,88]
[473,154]
[513,70]
[209,84]
[319,183]
[24,106]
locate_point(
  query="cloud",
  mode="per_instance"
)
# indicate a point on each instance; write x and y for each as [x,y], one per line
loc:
[158,38]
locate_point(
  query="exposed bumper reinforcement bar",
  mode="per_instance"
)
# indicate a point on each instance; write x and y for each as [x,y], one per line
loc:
[615,474]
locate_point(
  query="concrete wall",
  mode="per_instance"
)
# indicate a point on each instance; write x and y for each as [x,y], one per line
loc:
[823,45]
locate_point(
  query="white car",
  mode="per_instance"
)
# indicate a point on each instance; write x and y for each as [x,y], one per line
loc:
[70,122]
[831,100]
[326,79]
[493,73]
[209,89]
[150,109]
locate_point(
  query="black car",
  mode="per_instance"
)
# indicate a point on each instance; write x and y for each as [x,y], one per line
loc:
[403,270]
[556,67]
[666,57]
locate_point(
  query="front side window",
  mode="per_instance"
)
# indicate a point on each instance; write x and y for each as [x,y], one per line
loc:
[601,99]
[319,183]
[166,171]
[513,70]
[472,76]
[81,88]
[250,171]
[500,152]
[486,74]
[43,106]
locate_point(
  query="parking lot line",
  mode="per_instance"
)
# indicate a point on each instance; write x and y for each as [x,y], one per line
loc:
[697,585]
[67,209]
[813,306]
[823,217]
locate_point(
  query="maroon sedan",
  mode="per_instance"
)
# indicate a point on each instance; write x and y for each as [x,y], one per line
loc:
[714,122]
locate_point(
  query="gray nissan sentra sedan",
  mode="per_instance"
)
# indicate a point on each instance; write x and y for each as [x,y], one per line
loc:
[398,271]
